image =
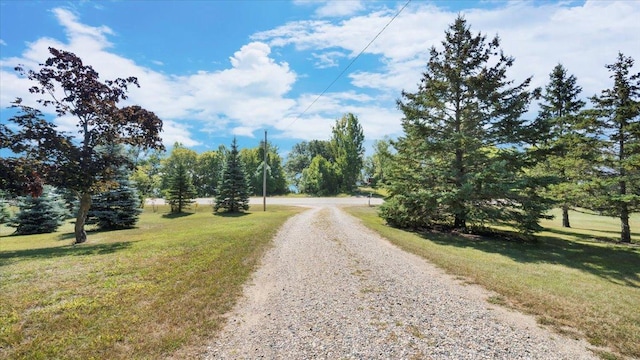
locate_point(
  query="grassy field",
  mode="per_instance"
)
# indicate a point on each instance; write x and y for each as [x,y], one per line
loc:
[570,279]
[157,291]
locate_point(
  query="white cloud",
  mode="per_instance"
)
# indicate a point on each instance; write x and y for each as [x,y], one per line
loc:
[539,35]
[255,90]
[339,8]
[333,8]
[327,59]
[248,95]
[3,43]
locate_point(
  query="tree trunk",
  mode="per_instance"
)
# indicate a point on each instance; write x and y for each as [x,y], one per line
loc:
[460,222]
[85,204]
[565,216]
[625,234]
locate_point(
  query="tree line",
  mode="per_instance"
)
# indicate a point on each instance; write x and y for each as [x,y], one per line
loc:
[103,174]
[469,159]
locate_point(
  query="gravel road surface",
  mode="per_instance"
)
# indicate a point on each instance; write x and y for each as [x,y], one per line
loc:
[332,289]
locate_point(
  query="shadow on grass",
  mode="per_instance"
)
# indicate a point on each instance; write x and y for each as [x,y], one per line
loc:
[613,238]
[60,251]
[231,214]
[176,215]
[66,236]
[614,263]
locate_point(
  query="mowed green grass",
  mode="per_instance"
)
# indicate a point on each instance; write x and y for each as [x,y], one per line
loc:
[157,291]
[570,279]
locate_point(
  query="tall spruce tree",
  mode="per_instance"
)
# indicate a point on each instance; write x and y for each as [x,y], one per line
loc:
[233,191]
[563,142]
[181,190]
[617,111]
[40,215]
[119,206]
[459,162]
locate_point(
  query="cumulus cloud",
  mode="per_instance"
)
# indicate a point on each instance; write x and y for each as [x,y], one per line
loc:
[539,35]
[327,59]
[255,90]
[333,8]
[250,94]
[339,8]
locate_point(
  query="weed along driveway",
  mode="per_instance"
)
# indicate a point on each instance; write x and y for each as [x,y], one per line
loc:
[332,289]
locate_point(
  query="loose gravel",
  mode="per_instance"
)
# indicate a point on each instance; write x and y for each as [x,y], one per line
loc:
[332,289]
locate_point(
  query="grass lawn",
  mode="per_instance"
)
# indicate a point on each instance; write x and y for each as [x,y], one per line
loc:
[157,291]
[570,279]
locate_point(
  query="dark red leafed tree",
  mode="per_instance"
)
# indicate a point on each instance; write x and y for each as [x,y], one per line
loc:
[43,153]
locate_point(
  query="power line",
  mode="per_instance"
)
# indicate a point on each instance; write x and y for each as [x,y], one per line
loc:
[348,66]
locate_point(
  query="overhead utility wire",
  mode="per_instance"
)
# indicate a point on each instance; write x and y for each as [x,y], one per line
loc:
[348,66]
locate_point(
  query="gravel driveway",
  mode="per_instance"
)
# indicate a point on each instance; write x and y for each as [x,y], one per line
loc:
[332,289]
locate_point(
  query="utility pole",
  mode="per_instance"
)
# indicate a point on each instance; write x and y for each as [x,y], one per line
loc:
[264,175]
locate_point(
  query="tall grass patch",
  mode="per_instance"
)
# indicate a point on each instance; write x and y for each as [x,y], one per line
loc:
[576,280]
[157,291]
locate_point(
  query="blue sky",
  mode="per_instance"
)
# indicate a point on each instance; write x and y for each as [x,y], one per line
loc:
[213,70]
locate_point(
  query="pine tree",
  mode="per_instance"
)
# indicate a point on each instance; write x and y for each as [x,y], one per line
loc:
[563,142]
[459,162]
[39,215]
[181,189]
[617,111]
[5,215]
[233,191]
[117,208]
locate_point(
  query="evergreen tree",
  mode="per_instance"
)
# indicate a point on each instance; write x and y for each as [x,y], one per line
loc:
[117,208]
[181,191]
[348,151]
[180,155]
[234,188]
[617,112]
[5,215]
[39,215]
[459,161]
[566,149]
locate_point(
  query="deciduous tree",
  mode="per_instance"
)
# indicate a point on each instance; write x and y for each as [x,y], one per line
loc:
[44,154]
[208,172]
[302,154]
[253,160]
[348,151]
[320,178]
